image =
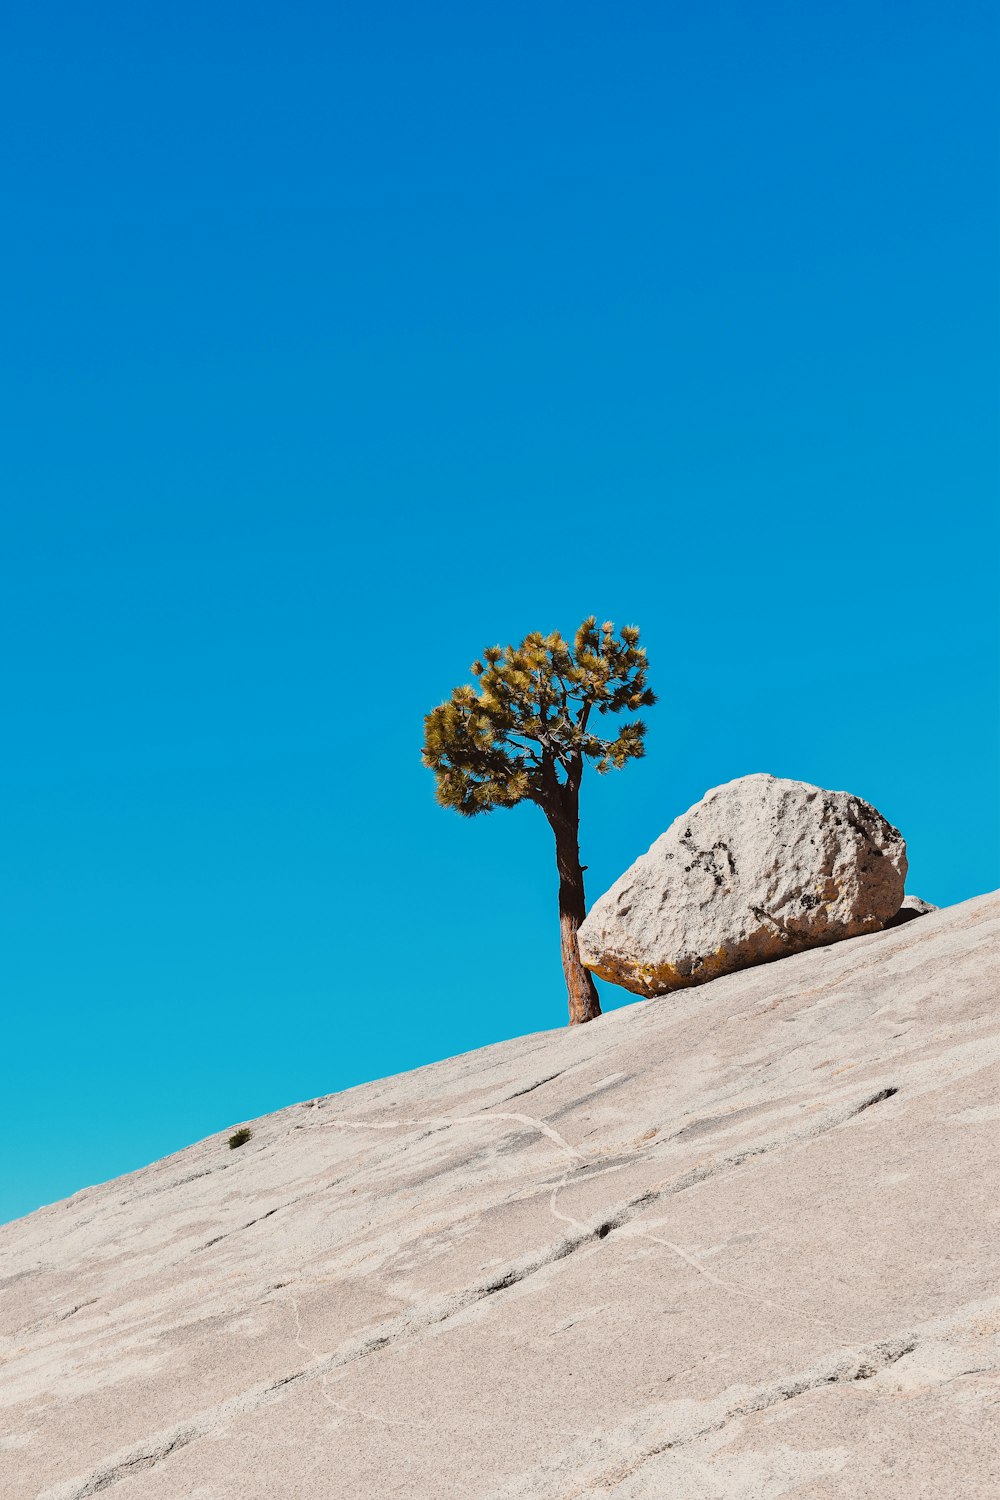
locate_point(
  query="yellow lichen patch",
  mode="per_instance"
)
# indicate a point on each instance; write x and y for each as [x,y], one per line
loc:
[660,979]
[764,946]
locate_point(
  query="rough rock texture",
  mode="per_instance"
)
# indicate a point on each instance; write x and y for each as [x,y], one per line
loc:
[912,907]
[741,1245]
[758,869]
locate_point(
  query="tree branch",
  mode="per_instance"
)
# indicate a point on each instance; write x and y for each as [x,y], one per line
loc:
[510,740]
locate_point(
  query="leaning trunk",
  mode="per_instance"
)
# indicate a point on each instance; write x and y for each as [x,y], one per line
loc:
[583,1002]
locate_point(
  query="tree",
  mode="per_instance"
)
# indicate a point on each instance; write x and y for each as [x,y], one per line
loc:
[526,733]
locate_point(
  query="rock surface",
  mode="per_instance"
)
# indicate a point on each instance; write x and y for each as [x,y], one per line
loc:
[913,906]
[758,869]
[741,1245]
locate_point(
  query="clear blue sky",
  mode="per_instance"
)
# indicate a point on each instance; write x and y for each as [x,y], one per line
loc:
[341,340]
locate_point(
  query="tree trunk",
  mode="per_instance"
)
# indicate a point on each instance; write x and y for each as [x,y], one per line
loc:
[583,1002]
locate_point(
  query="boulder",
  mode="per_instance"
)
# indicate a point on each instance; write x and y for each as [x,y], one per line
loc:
[759,868]
[912,907]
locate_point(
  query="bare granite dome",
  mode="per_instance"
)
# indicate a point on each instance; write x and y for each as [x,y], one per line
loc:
[743,1244]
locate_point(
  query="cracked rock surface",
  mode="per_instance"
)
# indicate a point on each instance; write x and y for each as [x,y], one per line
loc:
[760,868]
[741,1243]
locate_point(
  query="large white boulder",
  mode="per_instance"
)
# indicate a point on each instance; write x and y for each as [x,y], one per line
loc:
[759,868]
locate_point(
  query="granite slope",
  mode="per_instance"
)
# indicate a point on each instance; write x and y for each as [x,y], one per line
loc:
[736,1242]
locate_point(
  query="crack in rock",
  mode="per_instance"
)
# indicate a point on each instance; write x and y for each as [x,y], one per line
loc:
[138,1460]
[841,1367]
[533,1086]
[695,1175]
[875,1099]
[248,1225]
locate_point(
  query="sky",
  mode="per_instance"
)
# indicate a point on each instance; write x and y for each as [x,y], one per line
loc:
[344,339]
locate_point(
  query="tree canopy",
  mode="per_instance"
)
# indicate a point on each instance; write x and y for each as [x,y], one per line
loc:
[526,728]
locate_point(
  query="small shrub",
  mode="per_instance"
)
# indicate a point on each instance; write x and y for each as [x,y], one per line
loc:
[240,1137]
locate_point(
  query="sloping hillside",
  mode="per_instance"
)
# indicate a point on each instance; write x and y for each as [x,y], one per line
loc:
[737,1242]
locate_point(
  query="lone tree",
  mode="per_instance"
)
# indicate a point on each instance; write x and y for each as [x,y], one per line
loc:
[524,735]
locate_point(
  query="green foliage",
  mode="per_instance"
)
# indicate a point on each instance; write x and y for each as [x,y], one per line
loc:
[525,730]
[240,1137]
